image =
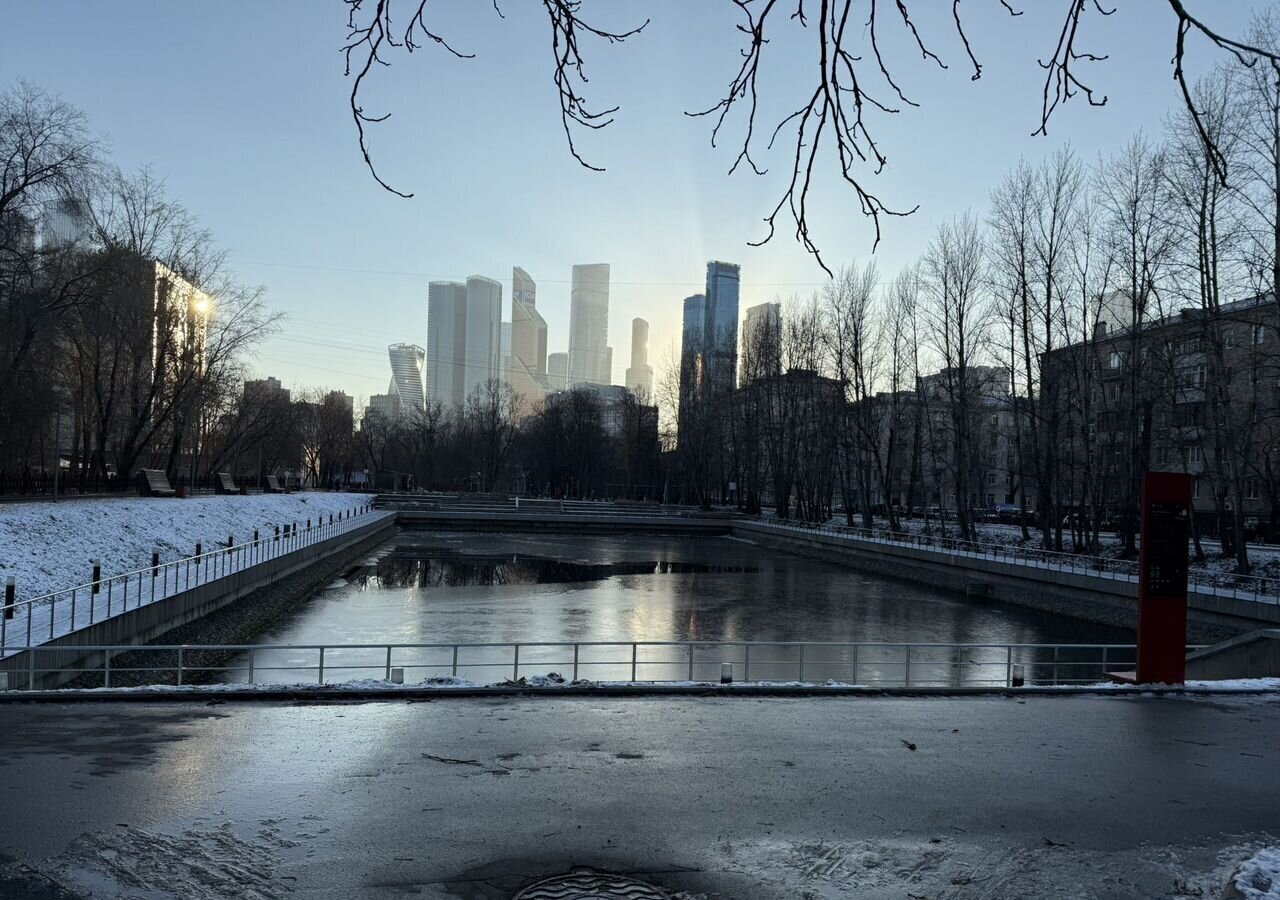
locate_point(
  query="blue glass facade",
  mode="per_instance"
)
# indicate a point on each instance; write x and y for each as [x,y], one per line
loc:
[721,326]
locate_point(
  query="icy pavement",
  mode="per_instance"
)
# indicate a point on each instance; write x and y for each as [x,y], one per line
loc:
[51,546]
[1051,797]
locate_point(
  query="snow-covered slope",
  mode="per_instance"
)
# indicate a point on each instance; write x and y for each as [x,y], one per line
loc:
[49,546]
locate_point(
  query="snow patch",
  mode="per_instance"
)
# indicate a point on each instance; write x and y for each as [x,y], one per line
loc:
[1258,877]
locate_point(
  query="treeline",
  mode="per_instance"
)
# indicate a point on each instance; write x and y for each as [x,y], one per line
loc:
[122,336]
[578,444]
[1103,319]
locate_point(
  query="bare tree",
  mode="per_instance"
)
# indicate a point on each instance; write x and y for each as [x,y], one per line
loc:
[957,315]
[853,78]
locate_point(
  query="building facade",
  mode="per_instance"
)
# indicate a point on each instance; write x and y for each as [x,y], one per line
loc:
[762,342]
[557,371]
[446,342]
[589,325]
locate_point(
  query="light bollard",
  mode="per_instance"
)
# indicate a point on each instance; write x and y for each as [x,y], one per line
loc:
[726,673]
[10,596]
[155,564]
[277,538]
[97,575]
[199,547]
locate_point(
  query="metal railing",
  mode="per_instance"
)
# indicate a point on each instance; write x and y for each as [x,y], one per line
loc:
[1224,584]
[48,616]
[874,664]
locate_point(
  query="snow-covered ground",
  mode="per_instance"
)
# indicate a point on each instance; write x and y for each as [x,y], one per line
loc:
[1258,877]
[51,546]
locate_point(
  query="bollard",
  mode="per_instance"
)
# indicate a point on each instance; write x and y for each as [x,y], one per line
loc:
[10,596]
[155,564]
[231,542]
[199,547]
[255,535]
[97,575]
[308,524]
[397,676]
[1018,679]
[726,673]
[330,518]
[277,539]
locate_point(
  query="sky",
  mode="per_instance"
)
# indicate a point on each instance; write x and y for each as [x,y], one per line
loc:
[241,107]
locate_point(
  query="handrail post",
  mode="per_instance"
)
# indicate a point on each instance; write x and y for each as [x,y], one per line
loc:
[388,662]
[515,665]
[634,649]
[179,665]
[746,664]
[106,668]
[575,661]
[906,681]
[1008,666]
[320,668]
[251,665]
[455,660]
[690,645]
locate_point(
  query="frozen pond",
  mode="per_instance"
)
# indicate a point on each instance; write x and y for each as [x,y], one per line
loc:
[441,588]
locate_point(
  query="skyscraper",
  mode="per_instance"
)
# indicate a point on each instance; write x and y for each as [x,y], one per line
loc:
[608,366]
[406,376]
[692,361]
[482,359]
[762,342]
[528,373]
[720,339]
[589,325]
[446,341]
[640,374]
[558,371]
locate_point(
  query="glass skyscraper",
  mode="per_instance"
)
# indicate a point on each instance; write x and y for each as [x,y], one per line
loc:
[720,336]
[407,362]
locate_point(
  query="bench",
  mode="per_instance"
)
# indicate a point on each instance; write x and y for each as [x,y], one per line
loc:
[223,483]
[273,485]
[154,483]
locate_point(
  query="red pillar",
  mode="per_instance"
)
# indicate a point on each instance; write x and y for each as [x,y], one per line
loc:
[1162,588]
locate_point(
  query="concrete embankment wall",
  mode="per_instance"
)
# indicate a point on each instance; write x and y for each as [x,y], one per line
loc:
[1102,600]
[289,577]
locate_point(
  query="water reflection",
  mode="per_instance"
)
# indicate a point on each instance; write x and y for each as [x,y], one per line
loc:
[484,588]
[406,568]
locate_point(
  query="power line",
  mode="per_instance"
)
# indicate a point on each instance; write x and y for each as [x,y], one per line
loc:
[462,278]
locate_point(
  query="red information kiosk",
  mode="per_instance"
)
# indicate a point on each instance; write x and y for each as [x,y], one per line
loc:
[1162,587]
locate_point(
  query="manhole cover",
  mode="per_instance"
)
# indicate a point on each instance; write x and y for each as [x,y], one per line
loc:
[590,886]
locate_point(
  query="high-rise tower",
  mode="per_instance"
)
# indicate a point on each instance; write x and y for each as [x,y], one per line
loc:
[482,359]
[446,341]
[528,374]
[407,363]
[640,374]
[720,340]
[589,325]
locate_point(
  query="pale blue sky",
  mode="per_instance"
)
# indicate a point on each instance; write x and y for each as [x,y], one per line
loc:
[242,108]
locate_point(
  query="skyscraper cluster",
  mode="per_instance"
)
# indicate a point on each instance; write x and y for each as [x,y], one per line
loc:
[469,343]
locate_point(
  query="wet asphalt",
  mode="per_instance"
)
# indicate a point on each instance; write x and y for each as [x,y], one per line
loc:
[737,798]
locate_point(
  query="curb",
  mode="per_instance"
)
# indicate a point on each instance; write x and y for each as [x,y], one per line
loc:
[714,691]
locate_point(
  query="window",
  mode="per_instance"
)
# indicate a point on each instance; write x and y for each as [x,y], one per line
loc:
[1115,360]
[991,478]
[1195,489]
[991,499]
[995,420]
[1195,455]
[1259,334]
[1163,456]
[1200,373]
[1228,338]
[1251,489]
